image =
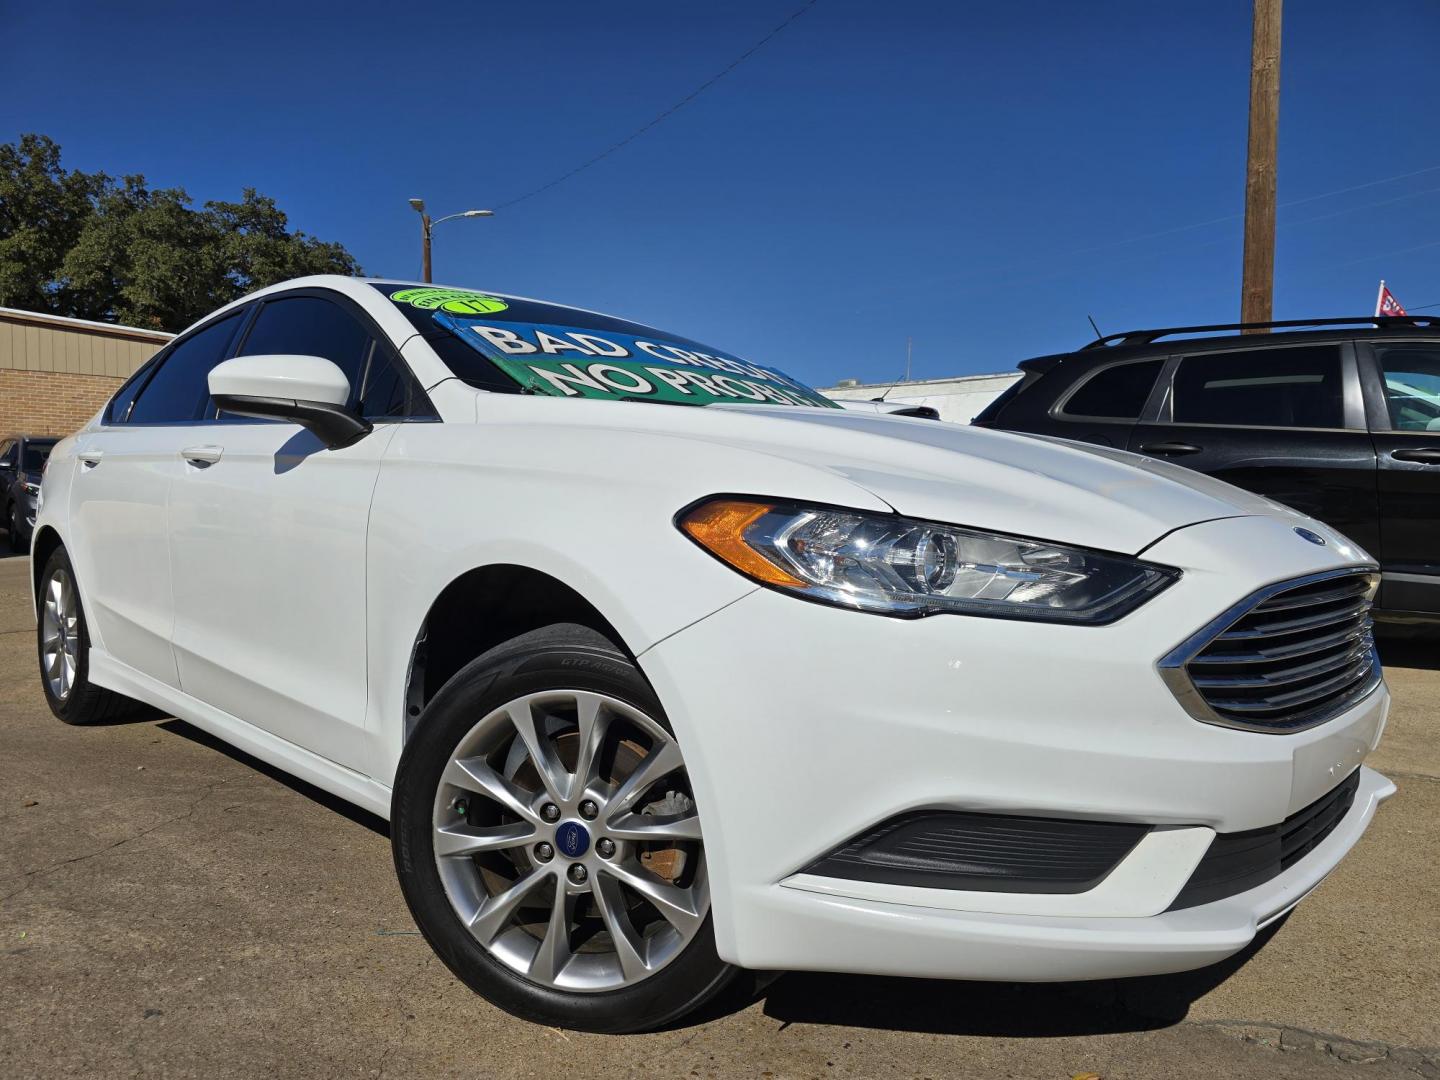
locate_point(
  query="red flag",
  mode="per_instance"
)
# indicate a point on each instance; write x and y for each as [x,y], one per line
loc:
[1386,304]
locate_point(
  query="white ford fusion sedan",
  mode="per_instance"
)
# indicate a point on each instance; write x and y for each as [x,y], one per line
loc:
[665,670]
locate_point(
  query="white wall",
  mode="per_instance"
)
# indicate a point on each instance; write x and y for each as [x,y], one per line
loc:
[958,400]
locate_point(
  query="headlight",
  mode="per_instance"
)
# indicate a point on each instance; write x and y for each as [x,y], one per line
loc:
[899,566]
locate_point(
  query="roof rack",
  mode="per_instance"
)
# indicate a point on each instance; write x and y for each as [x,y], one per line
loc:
[1145,337]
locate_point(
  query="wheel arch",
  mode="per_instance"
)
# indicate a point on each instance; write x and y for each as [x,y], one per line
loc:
[482,608]
[45,543]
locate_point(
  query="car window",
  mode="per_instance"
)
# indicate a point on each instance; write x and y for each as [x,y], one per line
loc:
[118,411]
[1117,393]
[1290,387]
[313,326]
[176,393]
[310,326]
[1412,386]
[7,454]
[35,453]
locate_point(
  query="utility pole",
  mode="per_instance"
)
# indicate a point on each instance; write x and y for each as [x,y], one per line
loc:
[1257,286]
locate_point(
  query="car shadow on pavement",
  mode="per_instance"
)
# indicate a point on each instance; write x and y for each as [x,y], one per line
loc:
[1010,1010]
[345,809]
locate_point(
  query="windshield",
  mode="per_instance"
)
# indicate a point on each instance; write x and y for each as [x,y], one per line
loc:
[35,453]
[525,346]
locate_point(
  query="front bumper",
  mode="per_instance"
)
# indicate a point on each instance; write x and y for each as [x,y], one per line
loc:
[804,725]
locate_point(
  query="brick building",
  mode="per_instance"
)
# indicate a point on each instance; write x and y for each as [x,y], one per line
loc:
[56,372]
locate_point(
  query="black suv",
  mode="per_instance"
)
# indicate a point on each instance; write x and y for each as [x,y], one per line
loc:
[1341,424]
[22,460]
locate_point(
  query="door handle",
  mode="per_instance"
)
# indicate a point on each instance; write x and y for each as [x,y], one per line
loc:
[1422,455]
[1171,449]
[90,458]
[202,456]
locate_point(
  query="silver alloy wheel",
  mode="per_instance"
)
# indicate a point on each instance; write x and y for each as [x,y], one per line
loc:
[60,634]
[568,843]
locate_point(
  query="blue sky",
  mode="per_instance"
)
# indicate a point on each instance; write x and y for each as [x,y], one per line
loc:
[976,176]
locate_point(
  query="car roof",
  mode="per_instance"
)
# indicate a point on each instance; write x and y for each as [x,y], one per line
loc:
[1137,344]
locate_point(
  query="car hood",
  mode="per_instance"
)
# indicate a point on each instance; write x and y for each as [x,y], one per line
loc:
[1044,488]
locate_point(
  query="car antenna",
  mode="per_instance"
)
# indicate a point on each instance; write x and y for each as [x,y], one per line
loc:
[909,345]
[1098,336]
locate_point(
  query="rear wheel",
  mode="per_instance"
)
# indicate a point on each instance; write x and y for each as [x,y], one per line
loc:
[62,640]
[12,525]
[548,843]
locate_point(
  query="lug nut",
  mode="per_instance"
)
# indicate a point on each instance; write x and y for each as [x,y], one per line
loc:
[605,846]
[550,812]
[589,810]
[578,874]
[544,852]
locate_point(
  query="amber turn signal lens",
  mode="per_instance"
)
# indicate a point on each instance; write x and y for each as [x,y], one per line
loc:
[719,527]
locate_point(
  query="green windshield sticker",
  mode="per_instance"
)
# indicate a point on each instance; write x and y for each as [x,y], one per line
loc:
[456,301]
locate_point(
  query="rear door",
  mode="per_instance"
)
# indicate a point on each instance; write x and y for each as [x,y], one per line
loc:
[1404,377]
[119,499]
[1284,421]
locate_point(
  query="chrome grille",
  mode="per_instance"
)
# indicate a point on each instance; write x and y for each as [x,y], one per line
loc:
[1289,657]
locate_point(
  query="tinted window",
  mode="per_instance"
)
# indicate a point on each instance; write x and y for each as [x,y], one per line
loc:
[1117,392]
[176,393]
[1296,387]
[7,454]
[35,454]
[310,326]
[118,411]
[1412,386]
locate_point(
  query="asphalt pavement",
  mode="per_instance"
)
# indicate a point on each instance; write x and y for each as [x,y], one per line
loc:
[171,907]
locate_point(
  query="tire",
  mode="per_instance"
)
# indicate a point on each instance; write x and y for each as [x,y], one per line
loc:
[618,963]
[63,637]
[12,527]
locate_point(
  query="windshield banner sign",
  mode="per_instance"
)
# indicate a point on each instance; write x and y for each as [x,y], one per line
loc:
[562,361]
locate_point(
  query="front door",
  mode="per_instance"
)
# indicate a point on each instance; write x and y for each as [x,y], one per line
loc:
[268,538]
[1286,422]
[1407,442]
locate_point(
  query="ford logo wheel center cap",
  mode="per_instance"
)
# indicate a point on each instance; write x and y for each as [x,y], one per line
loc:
[572,840]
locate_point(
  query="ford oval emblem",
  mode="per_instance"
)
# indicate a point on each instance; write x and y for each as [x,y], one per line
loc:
[572,839]
[1313,537]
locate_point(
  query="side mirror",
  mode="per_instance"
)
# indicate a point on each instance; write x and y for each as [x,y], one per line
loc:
[306,390]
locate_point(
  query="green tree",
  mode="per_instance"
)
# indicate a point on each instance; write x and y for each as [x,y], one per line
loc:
[90,246]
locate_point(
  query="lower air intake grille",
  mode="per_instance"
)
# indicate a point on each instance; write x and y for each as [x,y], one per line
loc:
[1239,861]
[1289,657]
[942,849]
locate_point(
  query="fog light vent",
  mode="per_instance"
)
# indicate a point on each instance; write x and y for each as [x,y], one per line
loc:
[941,849]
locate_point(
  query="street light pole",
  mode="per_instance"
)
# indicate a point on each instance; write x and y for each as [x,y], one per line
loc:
[426,226]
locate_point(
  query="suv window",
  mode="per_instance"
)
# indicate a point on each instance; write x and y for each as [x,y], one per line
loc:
[7,454]
[176,393]
[1114,393]
[1285,387]
[312,326]
[1412,386]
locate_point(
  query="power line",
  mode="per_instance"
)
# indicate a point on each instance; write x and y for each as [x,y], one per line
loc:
[668,112]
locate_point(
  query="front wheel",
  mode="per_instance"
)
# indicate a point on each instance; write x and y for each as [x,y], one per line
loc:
[547,839]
